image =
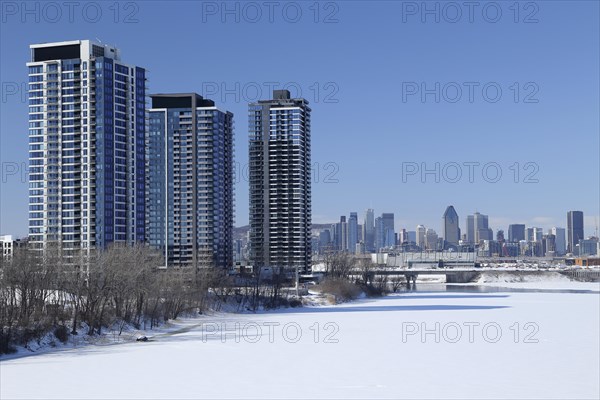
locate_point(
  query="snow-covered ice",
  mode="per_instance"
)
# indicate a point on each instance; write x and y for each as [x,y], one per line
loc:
[511,345]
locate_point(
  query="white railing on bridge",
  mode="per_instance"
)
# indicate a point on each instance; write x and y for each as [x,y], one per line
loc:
[431,257]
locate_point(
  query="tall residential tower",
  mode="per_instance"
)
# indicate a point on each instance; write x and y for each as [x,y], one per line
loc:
[86,146]
[190,180]
[280,182]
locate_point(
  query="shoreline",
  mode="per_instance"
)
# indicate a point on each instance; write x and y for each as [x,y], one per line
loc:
[313,300]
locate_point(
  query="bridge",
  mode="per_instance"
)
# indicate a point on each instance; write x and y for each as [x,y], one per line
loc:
[465,274]
[462,267]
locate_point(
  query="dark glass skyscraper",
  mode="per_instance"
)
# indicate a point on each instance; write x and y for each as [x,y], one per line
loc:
[352,232]
[451,228]
[574,229]
[516,232]
[369,230]
[190,180]
[86,155]
[280,182]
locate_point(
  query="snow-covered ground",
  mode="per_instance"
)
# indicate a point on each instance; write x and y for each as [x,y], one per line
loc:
[410,345]
[547,280]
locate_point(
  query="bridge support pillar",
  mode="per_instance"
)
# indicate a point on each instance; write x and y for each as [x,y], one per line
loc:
[409,278]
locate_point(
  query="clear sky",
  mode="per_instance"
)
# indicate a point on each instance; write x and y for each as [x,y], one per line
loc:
[394,89]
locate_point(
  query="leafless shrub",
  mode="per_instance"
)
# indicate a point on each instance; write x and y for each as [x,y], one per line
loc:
[342,289]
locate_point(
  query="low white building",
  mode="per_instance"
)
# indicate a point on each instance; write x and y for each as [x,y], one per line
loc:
[7,244]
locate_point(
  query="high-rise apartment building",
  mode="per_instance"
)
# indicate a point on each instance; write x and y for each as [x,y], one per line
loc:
[86,146]
[574,229]
[190,180]
[280,182]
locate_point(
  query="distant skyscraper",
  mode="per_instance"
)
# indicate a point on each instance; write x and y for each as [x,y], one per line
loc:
[87,129]
[412,236]
[559,241]
[379,234]
[388,229]
[538,234]
[369,230]
[485,234]
[516,233]
[352,232]
[470,229]
[529,234]
[574,229]
[431,239]
[403,236]
[477,228]
[190,180]
[451,228]
[238,248]
[549,245]
[421,236]
[280,182]
[341,234]
[482,231]
[588,247]
[324,240]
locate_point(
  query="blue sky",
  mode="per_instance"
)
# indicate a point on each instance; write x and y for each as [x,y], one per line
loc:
[364,67]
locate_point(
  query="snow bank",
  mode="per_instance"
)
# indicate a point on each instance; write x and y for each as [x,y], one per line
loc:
[539,280]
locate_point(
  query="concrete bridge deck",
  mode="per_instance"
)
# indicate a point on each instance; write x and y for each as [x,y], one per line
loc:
[467,274]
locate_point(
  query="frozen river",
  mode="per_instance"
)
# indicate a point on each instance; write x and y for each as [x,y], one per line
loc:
[462,343]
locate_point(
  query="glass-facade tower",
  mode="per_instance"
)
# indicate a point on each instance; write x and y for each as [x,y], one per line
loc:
[574,230]
[190,181]
[86,146]
[451,227]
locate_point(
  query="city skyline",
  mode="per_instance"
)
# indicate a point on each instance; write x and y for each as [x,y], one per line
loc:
[363,162]
[544,224]
[478,236]
[80,87]
[187,185]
